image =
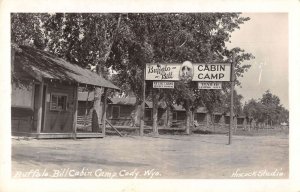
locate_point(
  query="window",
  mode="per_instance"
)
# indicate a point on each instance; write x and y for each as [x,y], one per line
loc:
[58,102]
[115,112]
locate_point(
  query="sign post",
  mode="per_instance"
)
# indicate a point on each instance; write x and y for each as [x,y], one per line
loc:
[231,99]
[143,105]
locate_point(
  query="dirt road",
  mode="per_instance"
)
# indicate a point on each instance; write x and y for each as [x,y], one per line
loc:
[167,156]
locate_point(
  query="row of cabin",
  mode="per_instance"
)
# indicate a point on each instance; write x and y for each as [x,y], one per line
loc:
[121,110]
[44,101]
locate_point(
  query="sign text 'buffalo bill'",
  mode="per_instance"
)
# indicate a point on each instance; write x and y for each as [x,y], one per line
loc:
[162,72]
[197,71]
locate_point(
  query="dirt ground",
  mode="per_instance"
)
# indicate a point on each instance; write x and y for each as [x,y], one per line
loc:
[166,156]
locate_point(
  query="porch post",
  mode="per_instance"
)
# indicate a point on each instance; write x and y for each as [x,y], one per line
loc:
[75,101]
[40,108]
[104,112]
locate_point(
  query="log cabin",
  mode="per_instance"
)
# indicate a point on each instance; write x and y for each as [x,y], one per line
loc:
[45,94]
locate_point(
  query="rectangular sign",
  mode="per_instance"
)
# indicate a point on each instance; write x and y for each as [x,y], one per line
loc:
[212,72]
[165,72]
[209,85]
[163,84]
[195,72]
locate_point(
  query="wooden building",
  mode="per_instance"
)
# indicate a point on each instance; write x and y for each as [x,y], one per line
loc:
[178,114]
[120,113]
[121,110]
[45,94]
[85,103]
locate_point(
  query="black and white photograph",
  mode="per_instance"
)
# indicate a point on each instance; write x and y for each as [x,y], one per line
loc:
[142,96]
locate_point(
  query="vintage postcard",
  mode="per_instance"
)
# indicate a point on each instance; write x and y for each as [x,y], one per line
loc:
[150,97]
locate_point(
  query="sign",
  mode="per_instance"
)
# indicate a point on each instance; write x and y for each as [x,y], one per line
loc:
[165,72]
[212,72]
[188,71]
[209,85]
[163,84]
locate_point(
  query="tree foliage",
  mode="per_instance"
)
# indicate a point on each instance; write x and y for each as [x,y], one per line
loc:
[125,42]
[267,109]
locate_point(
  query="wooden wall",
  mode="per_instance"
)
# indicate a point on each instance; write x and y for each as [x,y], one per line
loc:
[59,121]
[200,117]
[125,115]
[22,100]
[22,96]
[21,119]
[123,118]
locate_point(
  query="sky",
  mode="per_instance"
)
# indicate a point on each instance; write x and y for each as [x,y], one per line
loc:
[265,35]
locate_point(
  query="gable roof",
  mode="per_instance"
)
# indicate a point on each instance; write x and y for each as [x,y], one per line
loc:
[41,64]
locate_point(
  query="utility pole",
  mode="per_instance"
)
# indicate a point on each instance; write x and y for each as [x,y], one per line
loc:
[231,98]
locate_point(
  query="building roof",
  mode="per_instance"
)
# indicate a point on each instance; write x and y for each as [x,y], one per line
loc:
[41,64]
[201,110]
[123,100]
[178,107]
[82,96]
[128,101]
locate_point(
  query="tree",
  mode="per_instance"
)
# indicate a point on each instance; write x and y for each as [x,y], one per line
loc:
[267,109]
[125,42]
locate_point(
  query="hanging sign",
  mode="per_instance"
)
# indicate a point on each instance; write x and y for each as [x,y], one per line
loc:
[163,84]
[188,71]
[209,85]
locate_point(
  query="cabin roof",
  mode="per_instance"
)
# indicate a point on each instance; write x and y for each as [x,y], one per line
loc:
[180,108]
[41,64]
[82,96]
[123,100]
[128,101]
[201,110]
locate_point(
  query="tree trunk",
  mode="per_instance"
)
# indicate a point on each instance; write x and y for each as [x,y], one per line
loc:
[136,114]
[155,111]
[188,120]
[207,116]
[104,109]
[169,118]
[193,118]
[97,110]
